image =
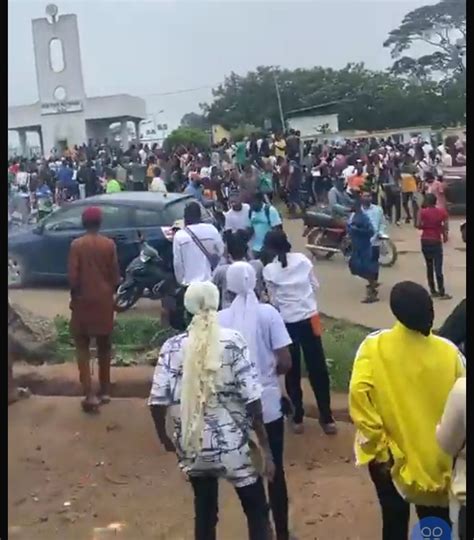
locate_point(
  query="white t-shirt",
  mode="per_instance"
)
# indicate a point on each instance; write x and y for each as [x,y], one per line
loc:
[240,220]
[142,155]
[158,185]
[190,263]
[292,289]
[271,336]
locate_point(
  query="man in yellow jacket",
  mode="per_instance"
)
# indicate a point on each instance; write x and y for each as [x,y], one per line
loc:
[400,383]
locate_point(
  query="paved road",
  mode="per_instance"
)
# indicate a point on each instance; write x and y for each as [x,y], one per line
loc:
[340,294]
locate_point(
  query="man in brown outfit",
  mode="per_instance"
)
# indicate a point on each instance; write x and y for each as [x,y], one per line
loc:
[93,278]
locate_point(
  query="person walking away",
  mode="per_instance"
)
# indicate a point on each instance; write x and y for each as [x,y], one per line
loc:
[292,287]
[437,188]
[112,184]
[87,176]
[237,250]
[157,185]
[206,379]
[267,339]
[451,436]
[361,262]
[434,225]
[377,219]
[197,249]
[263,218]
[409,190]
[397,372]
[94,275]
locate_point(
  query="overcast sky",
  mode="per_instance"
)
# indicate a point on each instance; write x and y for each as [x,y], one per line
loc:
[152,47]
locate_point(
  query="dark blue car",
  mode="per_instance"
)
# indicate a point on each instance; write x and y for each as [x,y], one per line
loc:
[40,253]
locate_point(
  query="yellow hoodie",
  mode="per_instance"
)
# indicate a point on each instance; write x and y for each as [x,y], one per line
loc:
[399,386]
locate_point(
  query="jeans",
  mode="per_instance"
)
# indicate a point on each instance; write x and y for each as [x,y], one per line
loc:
[395,510]
[302,336]
[253,501]
[277,490]
[433,254]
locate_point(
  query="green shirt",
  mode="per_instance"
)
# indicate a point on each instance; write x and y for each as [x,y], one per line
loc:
[240,152]
[266,182]
[113,186]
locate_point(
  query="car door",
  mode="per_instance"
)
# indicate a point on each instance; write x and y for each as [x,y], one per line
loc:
[58,232]
[117,224]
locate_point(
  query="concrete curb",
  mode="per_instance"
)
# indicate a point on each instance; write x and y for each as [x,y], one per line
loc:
[132,382]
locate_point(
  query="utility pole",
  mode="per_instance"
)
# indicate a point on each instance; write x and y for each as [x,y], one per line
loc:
[280,108]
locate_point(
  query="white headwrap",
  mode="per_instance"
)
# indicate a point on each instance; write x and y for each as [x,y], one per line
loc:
[241,280]
[201,361]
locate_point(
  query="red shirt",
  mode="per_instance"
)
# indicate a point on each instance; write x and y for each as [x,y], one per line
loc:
[432,223]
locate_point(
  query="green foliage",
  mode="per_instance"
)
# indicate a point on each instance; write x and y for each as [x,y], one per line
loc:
[442,26]
[365,99]
[243,130]
[341,339]
[187,136]
[195,121]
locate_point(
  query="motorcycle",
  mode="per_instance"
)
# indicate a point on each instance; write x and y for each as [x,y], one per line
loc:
[147,276]
[327,235]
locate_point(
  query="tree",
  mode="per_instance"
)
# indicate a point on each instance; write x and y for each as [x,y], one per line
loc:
[442,26]
[195,120]
[186,137]
[364,99]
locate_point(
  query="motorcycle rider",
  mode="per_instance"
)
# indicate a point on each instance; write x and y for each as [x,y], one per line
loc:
[340,202]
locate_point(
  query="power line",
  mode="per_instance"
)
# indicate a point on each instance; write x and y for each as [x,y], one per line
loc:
[181,91]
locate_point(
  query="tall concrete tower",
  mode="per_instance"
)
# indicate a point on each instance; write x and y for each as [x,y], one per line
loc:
[59,76]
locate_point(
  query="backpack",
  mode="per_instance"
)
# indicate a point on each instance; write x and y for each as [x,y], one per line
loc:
[266,209]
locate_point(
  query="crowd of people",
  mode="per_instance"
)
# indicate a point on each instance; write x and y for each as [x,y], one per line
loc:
[233,372]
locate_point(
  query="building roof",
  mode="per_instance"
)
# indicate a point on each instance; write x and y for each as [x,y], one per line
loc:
[119,106]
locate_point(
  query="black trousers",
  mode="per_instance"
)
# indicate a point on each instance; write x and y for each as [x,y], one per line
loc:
[375,258]
[392,200]
[302,337]
[433,254]
[277,490]
[253,501]
[406,198]
[395,510]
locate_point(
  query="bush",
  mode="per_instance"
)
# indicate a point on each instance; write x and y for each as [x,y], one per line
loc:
[187,136]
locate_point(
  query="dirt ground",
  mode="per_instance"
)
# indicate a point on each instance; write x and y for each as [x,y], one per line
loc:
[77,477]
[340,293]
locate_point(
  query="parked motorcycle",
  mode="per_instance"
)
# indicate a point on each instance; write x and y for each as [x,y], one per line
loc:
[147,276]
[327,235]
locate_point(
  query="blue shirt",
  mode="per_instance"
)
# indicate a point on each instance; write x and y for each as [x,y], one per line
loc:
[377,219]
[195,191]
[65,176]
[261,224]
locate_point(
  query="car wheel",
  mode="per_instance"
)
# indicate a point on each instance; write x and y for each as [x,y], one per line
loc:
[17,272]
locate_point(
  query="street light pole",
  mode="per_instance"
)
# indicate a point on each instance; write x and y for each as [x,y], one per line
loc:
[280,108]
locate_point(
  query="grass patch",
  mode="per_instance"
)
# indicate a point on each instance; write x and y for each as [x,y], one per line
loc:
[133,336]
[341,339]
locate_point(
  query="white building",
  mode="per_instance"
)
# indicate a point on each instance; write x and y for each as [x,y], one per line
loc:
[64,116]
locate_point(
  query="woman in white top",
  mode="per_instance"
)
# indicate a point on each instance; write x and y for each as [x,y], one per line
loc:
[267,339]
[291,285]
[157,185]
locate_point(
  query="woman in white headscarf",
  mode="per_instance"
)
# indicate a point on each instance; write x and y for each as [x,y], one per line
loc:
[267,338]
[206,380]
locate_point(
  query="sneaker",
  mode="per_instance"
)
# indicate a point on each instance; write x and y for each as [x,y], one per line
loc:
[298,429]
[370,300]
[435,294]
[444,296]
[407,220]
[329,428]
[398,224]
